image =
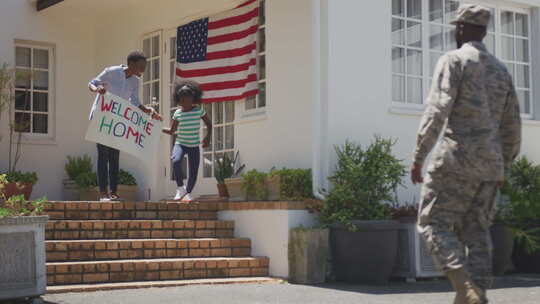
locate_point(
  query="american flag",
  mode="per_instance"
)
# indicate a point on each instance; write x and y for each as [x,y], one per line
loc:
[220,53]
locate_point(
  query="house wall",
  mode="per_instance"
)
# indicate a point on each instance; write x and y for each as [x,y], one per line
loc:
[87,40]
[359,84]
[274,242]
[281,136]
[73,39]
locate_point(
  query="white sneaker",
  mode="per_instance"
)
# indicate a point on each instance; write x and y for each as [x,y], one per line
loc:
[187,198]
[180,193]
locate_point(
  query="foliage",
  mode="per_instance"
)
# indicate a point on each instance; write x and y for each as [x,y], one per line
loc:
[295,184]
[521,210]
[21,177]
[8,78]
[86,180]
[79,169]
[364,182]
[78,165]
[17,205]
[254,185]
[227,168]
[404,210]
[126,178]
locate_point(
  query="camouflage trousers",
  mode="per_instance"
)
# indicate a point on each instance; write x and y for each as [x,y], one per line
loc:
[454,219]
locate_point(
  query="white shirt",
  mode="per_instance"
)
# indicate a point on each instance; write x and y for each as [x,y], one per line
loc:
[114,80]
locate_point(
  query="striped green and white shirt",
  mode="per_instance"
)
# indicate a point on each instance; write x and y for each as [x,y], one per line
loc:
[189,126]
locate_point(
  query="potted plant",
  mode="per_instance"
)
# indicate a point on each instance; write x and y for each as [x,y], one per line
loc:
[87,184]
[521,214]
[127,186]
[17,182]
[74,167]
[283,184]
[290,184]
[82,183]
[22,245]
[502,239]
[363,238]
[254,185]
[308,255]
[226,169]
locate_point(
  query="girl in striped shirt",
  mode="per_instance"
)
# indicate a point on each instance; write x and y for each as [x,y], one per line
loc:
[185,126]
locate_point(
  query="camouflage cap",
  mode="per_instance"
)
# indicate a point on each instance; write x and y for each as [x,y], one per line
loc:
[472,14]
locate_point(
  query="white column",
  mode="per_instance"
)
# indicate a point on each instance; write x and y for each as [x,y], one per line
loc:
[320,95]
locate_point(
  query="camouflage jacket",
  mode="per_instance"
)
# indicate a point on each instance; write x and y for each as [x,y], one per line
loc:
[473,93]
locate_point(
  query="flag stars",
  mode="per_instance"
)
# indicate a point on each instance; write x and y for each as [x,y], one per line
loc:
[192,41]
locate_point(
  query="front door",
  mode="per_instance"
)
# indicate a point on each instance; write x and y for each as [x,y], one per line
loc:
[221,114]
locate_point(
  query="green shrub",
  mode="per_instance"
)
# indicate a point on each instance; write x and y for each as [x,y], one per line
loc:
[364,183]
[21,177]
[254,185]
[78,165]
[295,184]
[86,180]
[18,206]
[522,211]
[126,178]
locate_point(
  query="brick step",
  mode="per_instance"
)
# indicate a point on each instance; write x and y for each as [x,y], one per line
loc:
[132,211]
[159,284]
[153,270]
[139,229]
[91,250]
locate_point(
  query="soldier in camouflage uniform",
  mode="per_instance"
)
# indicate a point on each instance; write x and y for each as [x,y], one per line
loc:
[473,93]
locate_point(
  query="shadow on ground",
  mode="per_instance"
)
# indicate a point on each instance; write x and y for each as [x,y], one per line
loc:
[26,302]
[430,286]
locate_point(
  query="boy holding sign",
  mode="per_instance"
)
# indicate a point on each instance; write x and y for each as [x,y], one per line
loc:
[122,81]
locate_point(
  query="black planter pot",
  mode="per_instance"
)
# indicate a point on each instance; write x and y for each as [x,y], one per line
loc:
[367,256]
[526,262]
[503,247]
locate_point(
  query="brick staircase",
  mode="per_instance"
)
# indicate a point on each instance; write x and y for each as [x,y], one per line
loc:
[98,243]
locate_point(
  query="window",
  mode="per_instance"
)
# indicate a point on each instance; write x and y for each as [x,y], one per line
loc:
[515,52]
[222,117]
[421,34]
[259,101]
[152,76]
[33,89]
[407,51]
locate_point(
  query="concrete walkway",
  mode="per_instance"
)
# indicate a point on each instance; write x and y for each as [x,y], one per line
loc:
[520,289]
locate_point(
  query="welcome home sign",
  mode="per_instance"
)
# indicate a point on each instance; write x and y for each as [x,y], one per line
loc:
[118,124]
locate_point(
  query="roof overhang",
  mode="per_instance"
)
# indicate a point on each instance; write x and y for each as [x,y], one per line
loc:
[43,4]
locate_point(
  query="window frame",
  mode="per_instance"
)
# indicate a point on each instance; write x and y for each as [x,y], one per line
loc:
[149,67]
[531,89]
[499,7]
[212,151]
[33,137]
[258,109]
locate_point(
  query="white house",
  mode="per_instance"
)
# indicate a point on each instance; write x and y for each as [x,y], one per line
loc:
[329,70]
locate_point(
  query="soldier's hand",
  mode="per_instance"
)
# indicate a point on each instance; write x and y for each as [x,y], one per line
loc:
[416,174]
